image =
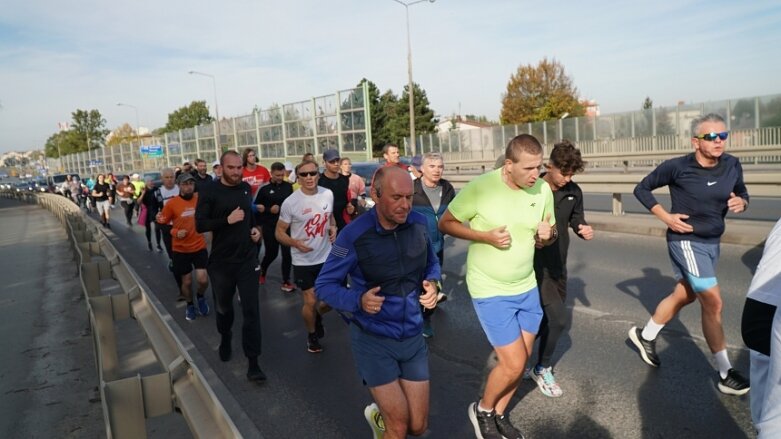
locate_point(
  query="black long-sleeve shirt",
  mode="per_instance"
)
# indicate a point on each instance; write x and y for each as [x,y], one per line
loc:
[231,242]
[551,260]
[340,186]
[270,195]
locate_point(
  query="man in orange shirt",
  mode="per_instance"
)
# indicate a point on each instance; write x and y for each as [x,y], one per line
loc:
[189,246]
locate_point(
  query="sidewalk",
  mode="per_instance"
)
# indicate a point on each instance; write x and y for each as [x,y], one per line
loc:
[737,231]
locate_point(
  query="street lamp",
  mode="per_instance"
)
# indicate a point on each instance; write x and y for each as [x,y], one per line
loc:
[409,72]
[138,128]
[218,146]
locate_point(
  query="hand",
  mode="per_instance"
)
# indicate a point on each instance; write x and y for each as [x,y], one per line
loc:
[159,217]
[254,234]
[332,234]
[544,230]
[676,223]
[735,204]
[236,216]
[371,302]
[274,209]
[499,238]
[429,297]
[586,231]
[350,208]
[303,248]
[261,208]
[181,233]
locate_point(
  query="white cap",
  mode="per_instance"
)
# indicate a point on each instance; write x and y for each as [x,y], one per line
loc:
[134,176]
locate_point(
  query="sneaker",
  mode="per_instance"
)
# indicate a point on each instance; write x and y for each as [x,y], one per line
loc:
[527,373]
[734,384]
[225,348]
[180,298]
[507,429]
[484,423]
[171,265]
[428,331]
[319,329]
[647,348]
[159,249]
[313,344]
[189,314]
[441,297]
[203,306]
[546,382]
[262,279]
[287,287]
[374,418]
[150,246]
[108,226]
[254,373]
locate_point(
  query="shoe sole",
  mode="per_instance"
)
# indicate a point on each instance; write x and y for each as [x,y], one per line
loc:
[640,348]
[473,419]
[730,391]
[541,385]
[287,290]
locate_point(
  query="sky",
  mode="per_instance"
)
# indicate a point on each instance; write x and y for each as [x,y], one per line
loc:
[56,57]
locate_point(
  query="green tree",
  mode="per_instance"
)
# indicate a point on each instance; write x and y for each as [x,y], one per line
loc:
[197,113]
[90,129]
[541,92]
[648,103]
[425,122]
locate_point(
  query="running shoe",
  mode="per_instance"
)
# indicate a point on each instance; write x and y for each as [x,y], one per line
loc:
[254,373]
[287,287]
[546,382]
[319,329]
[484,423]
[507,429]
[150,246]
[203,306]
[180,298]
[159,249]
[734,384]
[171,265]
[313,344]
[189,314]
[428,331]
[262,279]
[647,348]
[374,418]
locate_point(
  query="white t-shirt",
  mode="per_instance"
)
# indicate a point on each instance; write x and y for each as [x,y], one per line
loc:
[309,218]
[167,194]
[766,284]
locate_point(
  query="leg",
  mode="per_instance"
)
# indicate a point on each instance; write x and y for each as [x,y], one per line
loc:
[308,310]
[202,281]
[272,249]
[187,287]
[669,307]
[247,284]
[554,316]
[158,233]
[223,282]
[711,303]
[287,263]
[503,379]
[404,406]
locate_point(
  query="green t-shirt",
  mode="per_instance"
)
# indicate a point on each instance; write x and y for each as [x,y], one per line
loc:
[487,203]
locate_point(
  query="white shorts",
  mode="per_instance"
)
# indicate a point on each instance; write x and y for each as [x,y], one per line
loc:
[103,206]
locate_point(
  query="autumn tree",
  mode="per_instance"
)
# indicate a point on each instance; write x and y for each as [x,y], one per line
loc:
[541,92]
[123,133]
[197,113]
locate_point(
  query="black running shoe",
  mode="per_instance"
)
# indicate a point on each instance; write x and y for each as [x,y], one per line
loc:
[319,330]
[255,374]
[734,384]
[647,348]
[313,344]
[484,423]
[506,429]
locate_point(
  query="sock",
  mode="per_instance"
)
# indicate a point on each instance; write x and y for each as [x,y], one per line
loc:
[483,409]
[651,330]
[722,361]
[538,369]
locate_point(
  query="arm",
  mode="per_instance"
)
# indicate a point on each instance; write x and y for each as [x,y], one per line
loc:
[450,225]
[738,199]
[577,220]
[663,175]
[283,238]
[328,287]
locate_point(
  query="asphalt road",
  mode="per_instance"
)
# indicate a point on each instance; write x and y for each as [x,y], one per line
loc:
[615,282]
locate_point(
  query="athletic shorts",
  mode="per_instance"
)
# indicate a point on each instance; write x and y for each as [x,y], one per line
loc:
[103,206]
[305,275]
[382,360]
[185,262]
[695,262]
[504,317]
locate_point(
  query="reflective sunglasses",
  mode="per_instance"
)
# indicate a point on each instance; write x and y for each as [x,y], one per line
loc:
[307,174]
[710,137]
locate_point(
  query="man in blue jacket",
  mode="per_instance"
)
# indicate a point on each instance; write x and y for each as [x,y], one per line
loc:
[703,185]
[393,269]
[432,195]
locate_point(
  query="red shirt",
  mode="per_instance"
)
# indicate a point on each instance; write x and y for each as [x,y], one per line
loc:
[257,178]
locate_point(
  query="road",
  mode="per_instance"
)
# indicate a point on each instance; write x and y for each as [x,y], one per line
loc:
[615,282]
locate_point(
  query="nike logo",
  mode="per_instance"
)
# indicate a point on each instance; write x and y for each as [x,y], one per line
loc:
[711,183]
[533,204]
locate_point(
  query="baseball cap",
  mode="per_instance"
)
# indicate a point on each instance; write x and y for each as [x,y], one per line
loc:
[330,155]
[184,176]
[417,161]
[134,176]
[288,166]
[215,164]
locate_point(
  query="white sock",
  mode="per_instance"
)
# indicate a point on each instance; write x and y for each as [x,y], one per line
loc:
[483,409]
[722,361]
[651,330]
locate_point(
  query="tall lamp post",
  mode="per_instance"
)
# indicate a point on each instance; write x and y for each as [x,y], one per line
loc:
[138,128]
[411,92]
[218,145]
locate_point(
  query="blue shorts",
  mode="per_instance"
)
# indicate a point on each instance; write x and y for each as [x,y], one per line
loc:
[695,262]
[382,360]
[504,317]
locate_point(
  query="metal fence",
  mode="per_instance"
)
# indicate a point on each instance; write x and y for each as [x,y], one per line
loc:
[753,122]
[278,133]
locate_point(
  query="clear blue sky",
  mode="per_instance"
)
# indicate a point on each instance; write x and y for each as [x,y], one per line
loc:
[56,57]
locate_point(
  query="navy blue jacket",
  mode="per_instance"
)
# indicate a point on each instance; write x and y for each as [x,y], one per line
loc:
[701,193]
[397,260]
[421,203]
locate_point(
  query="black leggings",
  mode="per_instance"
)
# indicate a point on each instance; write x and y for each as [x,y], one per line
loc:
[272,250]
[225,279]
[150,218]
[553,292]
[128,208]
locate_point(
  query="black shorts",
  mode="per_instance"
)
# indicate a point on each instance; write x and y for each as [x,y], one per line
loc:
[305,275]
[185,262]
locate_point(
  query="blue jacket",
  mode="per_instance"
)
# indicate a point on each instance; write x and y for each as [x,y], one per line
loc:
[421,204]
[397,260]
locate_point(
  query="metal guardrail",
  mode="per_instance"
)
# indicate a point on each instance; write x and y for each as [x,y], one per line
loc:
[128,401]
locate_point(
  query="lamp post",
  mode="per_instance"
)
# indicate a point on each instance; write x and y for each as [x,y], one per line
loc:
[411,93]
[138,128]
[218,145]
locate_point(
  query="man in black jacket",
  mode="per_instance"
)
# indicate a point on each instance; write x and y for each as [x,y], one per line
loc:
[339,184]
[268,202]
[225,210]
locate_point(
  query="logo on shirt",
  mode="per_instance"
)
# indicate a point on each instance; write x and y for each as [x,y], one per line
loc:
[316,225]
[325,207]
[570,198]
[533,204]
[307,210]
[711,183]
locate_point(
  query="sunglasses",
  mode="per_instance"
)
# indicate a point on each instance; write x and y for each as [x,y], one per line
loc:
[710,137]
[307,174]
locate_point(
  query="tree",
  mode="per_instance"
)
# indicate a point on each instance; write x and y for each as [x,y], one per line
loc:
[90,129]
[648,103]
[123,133]
[541,92]
[425,122]
[197,113]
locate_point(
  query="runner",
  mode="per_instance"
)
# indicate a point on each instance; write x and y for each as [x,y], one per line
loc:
[126,197]
[151,200]
[254,174]
[268,202]
[100,193]
[332,179]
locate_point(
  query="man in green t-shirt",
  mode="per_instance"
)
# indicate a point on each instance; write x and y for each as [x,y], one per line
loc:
[509,210]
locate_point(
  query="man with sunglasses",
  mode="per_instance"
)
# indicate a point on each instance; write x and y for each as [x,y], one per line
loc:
[703,185]
[332,179]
